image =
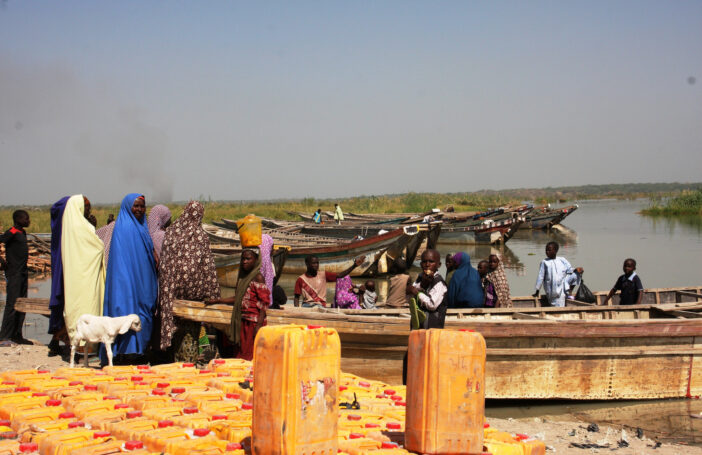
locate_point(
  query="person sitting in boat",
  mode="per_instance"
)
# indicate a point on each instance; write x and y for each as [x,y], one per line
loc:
[498,278]
[368,296]
[465,289]
[629,284]
[317,217]
[556,275]
[397,286]
[312,286]
[346,296]
[488,288]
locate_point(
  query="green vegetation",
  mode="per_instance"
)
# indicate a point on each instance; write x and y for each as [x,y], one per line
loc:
[688,203]
[395,203]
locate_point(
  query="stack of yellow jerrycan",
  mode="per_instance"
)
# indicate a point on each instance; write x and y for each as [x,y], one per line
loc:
[303,404]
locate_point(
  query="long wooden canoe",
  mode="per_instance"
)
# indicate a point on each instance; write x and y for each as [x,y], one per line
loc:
[547,218]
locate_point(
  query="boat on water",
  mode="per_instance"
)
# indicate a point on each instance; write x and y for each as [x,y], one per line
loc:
[578,352]
[545,218]
[487,232]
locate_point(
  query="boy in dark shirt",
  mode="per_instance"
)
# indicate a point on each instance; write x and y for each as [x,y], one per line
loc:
[15,266]
[629,284]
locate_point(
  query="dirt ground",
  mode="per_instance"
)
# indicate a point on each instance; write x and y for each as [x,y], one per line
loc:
[561,436]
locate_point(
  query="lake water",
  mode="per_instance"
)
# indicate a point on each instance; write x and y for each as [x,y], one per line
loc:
[599,236]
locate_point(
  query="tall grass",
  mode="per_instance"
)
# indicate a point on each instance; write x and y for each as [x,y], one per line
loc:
[688,203]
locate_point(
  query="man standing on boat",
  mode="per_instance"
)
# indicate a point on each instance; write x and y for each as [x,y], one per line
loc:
[312,285]
[15,266]
[338,214]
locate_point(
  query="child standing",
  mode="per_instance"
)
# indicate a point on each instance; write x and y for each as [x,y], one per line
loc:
[629,284]
[556,274]
[488,287]
[368,296]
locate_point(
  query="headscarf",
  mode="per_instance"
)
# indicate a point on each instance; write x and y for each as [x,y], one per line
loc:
[465,289]
[82,254]
[56,300]
[186,268]
[158,217]
[105,234]
[344,298]
[498,278]
[266,263]
[131,285]
[242,285]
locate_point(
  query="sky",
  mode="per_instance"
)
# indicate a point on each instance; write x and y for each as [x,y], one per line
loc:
[234,100]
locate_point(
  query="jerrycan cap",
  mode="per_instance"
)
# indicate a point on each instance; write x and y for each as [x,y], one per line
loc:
[389,445]
[395,397]
[521,436]
[67,415]
[393,426]
[8,435]
[22,389]
[312,327]
[353,417]
[223,374]
[190,410]
[43,371]
[133,445]
[162,385]
[5,423]
[233,446]
[178,390]
[389,392]
[27,447]
[101,434]
[372,425]
[205,371]
[219,361]
[233,396]
[74,383]
[158,392]
[247,406]
[53,402]
[110,397]
[143,367]
[342,388]
[8,382]
[165,423]
[219,417]
[400,403]
[90,387]
[486,425]
[40,394]
[355,435]
[134,414]
[364,383]
[76,424]
[200,432]
[137,378]
[121,405]
[188,365]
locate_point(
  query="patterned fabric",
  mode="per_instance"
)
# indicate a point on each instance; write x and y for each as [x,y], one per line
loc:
[187,269]
[490,294]
[314,288]
[157,219]
[498,278]
[257,298]
[266,263]
[105,234]
[345,298]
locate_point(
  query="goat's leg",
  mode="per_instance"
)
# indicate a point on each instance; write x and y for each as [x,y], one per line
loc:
[73,354]
[108,350]
[85,354]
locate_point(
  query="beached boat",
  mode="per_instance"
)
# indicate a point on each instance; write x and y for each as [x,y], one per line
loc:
[546,218]
[487,232]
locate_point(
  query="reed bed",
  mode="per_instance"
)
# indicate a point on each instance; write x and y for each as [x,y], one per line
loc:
[688,203]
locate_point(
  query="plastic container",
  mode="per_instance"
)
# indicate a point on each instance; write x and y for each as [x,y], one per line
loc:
[207,447]
[108,447]
[39,432]
[130,429]
[249,229]
[231,430]
[37,417]
[157,440]
[295,397]
[445,392]
[503,448]
[8,410]
[9,447]
[64,441]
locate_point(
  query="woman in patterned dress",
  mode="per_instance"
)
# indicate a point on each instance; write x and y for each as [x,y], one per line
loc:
[186,271]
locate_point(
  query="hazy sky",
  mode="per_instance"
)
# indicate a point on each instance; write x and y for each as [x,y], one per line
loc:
[261,100]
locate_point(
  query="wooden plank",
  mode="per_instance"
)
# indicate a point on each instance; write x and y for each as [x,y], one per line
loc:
[689,294]
[526,316]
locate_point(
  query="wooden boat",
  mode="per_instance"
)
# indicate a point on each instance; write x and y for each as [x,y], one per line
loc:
[280,237]
[488,232]
[580,352]
[545,218]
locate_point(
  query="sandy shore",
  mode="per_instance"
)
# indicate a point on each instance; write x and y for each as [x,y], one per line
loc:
[561,436]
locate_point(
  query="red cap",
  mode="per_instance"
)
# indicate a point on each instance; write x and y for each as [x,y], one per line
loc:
[165,423]
[395,397]
[355,435]
[53,402]
[190,410]
[5,423]
[72,383]
[388,445]
[188,365]
[178,390]
[219,417]
[389,392]
[233,446]
[134,414]
[137,378]
[380,396]
[342,388]
[393,426]
[43,371]
[40,394]
[158,392]
[101,434]
[110,397]
[142,367]
[205,371]
[90,387]
[67,415]
[312,327]
[219,361]
[486,425]
[372,425]
[133,445]
[21,389]
[8,435]
[400,403]
[58,377]
[76,424]
[120,378]
[233,396]
[364,383]
[26,447]
[223,374]
[200,432]
[522,436]
[247,406]
[163,385]
[140,383]
[121,405]
[8,382]
[353,417]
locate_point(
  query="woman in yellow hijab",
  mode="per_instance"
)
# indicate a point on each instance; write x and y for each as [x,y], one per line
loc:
[82,254]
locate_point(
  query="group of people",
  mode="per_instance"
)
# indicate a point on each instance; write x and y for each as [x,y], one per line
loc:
[338,215]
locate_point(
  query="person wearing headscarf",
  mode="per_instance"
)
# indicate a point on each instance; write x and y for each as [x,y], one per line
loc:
[186,271]
[344,296]
[82,254]
[105,234]
[56,302]
[498,278]
[131,286]
[267,269]
[251,300]
[465,289]
[158,220]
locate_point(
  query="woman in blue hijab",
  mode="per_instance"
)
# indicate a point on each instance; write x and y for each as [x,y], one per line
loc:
[465,289]
[131,286]
[56,324]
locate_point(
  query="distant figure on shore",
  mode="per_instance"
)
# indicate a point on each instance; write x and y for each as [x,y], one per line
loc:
[158,220]
[338,214]
[488,288]
[368,296]
[186,271]
[498,278]
[629,284]
[465,289]
[15,266]
[398,281]
[83,264]
[345,297]
[312,285]
[317,216]
[556,275]
[131,286]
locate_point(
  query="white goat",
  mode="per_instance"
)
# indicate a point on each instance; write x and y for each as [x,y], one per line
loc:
[101,329]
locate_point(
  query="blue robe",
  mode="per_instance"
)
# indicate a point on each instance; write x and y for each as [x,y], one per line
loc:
[465,289]
[131,286]
[56,300]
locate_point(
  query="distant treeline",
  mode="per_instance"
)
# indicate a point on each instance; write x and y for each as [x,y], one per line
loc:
[391,203]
